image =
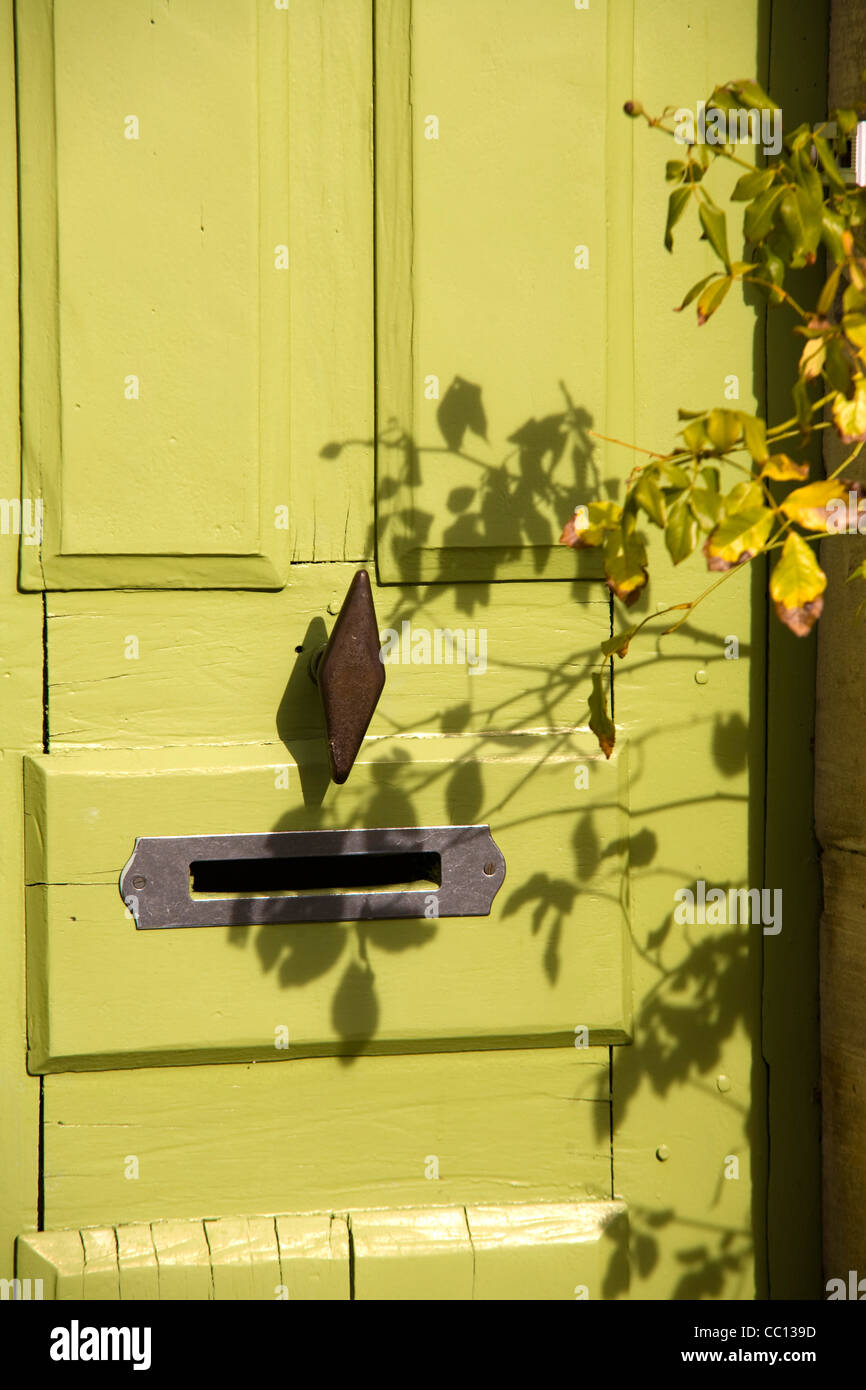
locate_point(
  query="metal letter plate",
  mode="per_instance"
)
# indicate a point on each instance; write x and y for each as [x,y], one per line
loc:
[155,884]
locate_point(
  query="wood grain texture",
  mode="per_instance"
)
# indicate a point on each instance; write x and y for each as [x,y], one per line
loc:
[228,1259]
[412,1253]
[224,668]
[20,720]
[331,223]
[321,1134]
[520,1251]
[696,763]
[180,486]
[550,957]
[458,295]
[514,1251]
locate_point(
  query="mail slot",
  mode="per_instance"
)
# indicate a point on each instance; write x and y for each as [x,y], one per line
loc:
[296,876]
[495,919]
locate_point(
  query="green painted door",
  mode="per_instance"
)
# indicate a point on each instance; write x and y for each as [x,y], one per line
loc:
[273,330]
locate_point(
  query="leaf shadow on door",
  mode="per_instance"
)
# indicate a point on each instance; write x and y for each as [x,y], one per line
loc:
[704,988]
[463,515]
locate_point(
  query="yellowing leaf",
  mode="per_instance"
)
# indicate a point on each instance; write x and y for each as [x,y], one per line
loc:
[796,586]
[600,721]
[849,417]
[712,297]
[808,505]
[784,469]
[625,561]
[738,538]
[619,643]
[812,358]
[707,507]
[589,524]
[854,328]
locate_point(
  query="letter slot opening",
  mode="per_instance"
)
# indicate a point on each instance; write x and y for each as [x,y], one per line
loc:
[312,876]
[321,873]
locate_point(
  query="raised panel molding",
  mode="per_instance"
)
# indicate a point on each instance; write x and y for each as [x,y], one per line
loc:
[151,264]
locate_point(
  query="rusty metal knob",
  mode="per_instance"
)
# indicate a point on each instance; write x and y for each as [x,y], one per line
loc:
[350,675]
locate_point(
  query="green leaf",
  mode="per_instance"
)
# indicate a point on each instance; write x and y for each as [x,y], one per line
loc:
[681,534]
[759,215]
[715,225]
[712,297]
[674,170]
[750,94]
[723,98]
[754,436]
[828,163]
[695,291]
[807,176]
[618,644]
[801,218]
[649,496]
[828,293]
[797,139]
[710,475]
[796,585]
[752,185]
[846,120]
[771,266]
[832,227]
[837,367]
[723,429]
[674,475]
[802,405]
[743,497]
[707,506]
[677,204]
[695,437]
[600,721]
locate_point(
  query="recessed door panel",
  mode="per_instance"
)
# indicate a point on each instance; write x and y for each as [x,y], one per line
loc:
[155,274]
[549,959]
[502,153]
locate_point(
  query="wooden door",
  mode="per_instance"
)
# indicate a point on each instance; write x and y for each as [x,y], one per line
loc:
[273,331]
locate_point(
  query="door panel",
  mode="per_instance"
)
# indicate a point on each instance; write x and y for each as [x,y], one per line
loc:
[501,272]
[154,206]
[431,1064]
[315,1134]
[224,668]
[103,993]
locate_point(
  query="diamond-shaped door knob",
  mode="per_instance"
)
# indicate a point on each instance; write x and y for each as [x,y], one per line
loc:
[350,675]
